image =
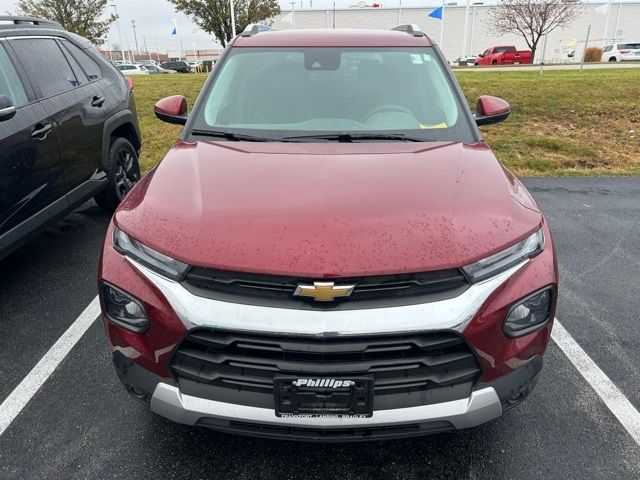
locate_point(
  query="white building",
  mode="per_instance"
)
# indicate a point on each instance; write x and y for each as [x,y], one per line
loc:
[623,25]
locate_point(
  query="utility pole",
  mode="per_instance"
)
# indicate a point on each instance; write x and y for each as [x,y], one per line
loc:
[135,37]
[115,10]
[400,13]
[146,50]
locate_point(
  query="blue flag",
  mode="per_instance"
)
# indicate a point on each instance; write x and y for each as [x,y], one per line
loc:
[437,13]
[174,32]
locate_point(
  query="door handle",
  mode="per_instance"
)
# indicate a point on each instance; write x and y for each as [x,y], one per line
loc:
[41,131]
[97,101]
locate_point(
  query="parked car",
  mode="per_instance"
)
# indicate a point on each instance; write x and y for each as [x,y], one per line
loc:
[132,69]
[331,251]
[621,52]
[503,55]
[154,69]
[178,66]
[68,128]
[464,61]
[148,62]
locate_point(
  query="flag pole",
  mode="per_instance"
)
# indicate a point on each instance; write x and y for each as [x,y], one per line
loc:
[233,19]
[466,31]
[606,23]
[442,27]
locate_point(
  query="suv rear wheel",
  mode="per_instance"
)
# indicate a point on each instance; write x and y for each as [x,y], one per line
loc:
[123,172]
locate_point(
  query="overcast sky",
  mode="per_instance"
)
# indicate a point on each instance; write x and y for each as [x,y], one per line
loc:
[153,21]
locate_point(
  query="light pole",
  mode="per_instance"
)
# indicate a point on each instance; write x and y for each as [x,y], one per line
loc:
[135,36]
[473,26]
[115,9]
[615,30]
[293,14]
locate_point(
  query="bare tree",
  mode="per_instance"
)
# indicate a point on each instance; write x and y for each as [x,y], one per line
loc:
[84,17]
[214,16]
[531,19]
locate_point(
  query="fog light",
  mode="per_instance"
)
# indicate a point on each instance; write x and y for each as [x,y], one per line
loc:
[529,315]
[124,310]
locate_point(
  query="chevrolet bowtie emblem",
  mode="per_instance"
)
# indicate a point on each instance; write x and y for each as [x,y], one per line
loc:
[323,291]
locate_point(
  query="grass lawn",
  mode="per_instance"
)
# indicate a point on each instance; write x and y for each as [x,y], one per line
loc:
[562,122]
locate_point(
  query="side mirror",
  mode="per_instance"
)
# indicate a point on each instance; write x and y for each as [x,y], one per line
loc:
[490,110]
[7,108]
[172,109]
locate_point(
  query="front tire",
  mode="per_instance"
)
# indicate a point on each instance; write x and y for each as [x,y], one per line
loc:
[123,172]
[613,59]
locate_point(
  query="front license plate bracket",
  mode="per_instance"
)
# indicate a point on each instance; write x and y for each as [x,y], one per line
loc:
[321,397]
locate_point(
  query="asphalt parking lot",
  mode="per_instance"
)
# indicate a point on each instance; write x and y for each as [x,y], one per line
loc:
[82,424]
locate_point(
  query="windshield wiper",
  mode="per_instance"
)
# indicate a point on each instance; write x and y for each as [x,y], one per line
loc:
[355,137]
[232,136]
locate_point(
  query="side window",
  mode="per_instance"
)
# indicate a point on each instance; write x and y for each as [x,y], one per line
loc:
[10,84]
[88,64]
[607,48]
[77,71]
[45,65]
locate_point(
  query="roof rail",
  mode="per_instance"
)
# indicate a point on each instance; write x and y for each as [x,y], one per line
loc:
[254,28]
[411,29]
[13,21]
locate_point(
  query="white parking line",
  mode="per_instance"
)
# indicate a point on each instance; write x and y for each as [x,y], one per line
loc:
[611,395]
[23,393]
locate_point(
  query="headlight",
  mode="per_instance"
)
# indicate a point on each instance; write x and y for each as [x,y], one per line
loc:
[529,315]
[504,260]
[156,261]
[123,309]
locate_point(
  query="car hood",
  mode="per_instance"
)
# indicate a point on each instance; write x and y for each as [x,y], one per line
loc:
[325,210]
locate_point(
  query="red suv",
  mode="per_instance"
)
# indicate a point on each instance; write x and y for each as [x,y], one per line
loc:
[330,251]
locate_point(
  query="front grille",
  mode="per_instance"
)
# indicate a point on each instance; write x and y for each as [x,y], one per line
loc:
[408,364]
[270,288]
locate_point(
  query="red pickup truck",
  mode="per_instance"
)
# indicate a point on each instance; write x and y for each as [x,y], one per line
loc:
[503,55]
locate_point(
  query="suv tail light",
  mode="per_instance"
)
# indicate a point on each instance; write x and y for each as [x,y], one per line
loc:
[130,80]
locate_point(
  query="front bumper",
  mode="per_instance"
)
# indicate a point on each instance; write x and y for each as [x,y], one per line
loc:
[482,406]
[485,403]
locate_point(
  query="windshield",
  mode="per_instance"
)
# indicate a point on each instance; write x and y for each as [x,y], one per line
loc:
[279,93]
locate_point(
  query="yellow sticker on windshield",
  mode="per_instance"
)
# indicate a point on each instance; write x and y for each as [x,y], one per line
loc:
[439,125]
